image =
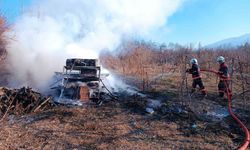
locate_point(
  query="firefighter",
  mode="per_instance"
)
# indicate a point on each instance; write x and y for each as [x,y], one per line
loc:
[223,85]
[195,71]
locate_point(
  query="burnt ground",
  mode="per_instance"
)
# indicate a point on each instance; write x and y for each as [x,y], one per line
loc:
[179,123]
[121,124]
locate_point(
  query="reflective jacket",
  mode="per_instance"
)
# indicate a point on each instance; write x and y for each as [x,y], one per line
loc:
[195,71]
[223,71]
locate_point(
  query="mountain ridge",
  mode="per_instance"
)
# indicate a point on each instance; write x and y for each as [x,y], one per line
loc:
[232,42]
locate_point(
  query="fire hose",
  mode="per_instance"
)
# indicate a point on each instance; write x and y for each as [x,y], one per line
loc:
[244,146]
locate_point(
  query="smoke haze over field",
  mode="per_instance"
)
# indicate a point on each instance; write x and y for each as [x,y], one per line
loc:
[53,30]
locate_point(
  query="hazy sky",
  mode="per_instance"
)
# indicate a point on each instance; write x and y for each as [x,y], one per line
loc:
[204,21]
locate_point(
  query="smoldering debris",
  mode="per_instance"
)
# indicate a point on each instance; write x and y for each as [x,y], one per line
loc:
[22,101]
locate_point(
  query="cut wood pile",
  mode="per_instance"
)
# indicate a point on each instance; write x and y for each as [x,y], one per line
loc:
[22,101]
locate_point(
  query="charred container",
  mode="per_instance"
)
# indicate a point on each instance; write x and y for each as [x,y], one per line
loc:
[80,80]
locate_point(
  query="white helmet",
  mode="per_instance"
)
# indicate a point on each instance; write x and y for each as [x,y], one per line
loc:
[193,61]
[220,59]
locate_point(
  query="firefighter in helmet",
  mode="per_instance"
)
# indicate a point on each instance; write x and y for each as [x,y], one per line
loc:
[223,85]
[195,71]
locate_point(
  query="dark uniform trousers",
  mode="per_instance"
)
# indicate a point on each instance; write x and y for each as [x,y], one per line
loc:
[198,82]
[223,85]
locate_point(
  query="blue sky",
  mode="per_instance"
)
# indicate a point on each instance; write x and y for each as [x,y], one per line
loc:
[204,21]
[11,9]
[208,21]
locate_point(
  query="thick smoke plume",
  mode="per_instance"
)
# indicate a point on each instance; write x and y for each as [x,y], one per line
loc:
[52,30]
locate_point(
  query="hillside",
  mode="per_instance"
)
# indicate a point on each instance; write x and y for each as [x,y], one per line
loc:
[231,42]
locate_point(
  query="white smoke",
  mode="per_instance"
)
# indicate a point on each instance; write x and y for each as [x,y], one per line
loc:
[53,30]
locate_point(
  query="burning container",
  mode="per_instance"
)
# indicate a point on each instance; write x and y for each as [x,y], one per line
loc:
[80,80]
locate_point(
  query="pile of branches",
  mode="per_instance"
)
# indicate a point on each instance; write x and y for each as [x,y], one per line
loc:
[22,101]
